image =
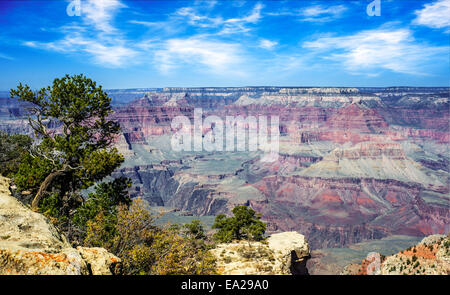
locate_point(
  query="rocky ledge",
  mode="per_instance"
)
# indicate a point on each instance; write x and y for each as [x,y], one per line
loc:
[429,257]
[281,254]
[31,245]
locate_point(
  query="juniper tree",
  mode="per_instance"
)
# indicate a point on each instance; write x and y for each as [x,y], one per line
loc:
[245,224]
[75,137]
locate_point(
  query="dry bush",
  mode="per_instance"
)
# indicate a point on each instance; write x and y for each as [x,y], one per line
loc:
[147,249]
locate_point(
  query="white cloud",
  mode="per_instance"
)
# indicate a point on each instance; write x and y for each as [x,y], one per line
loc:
[195,19]
[254,16]
[94,35]
[109,55]
[217,56]
[239,25]
[315,13]
[267,44]
[225,26]
[394,50]
[99,13]
[321,13]
[435,15]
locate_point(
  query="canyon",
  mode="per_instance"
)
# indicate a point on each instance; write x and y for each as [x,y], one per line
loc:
[354,164]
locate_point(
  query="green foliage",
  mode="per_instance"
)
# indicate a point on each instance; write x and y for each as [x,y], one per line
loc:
[50,206]
[106,198]
[195,230]
[79,153]
[13,149]
[245,224]
[31,172]
[101,231]
[145,248]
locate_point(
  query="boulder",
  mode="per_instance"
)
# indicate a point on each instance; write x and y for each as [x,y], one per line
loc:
[292,250]
[99,261]
[31,245]
[281,254]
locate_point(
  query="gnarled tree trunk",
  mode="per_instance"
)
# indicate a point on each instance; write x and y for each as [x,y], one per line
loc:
[43,188]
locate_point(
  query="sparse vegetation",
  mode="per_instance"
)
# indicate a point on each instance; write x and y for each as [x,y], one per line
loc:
[258,252]
[146,248]
[245,224]
[227,259]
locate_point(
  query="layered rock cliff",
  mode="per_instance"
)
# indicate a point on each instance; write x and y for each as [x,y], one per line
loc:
[354,164]
[429,257]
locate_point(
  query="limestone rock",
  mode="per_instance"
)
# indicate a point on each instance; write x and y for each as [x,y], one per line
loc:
[100,261]
[292,250]
[31,245]
[26,262]
[282,254]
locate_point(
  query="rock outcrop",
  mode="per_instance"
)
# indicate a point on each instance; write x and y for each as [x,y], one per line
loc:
[429,257]
[282,254]
[31,245]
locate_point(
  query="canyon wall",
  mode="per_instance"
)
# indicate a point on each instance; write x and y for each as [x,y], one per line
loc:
[354,164]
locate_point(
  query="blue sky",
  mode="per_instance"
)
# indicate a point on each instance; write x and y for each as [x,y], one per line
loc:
[133,44]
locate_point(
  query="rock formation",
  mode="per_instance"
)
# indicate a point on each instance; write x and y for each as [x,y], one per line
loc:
[429,257]
[282,253]
[355,164]
[31,245]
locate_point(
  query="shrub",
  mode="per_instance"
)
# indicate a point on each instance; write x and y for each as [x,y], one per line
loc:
[245,224]
[146,248]
[106,198]
[195,230]
[101,231]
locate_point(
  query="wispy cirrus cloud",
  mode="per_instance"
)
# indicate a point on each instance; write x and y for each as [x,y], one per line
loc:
[95,35]
[216,56]
[379,49]
[195,17]
[105,55]
[206,50]
[320,13]
[100,13]
[267,44]
[209,37]
[434,15]
[4,56]
[315,13]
